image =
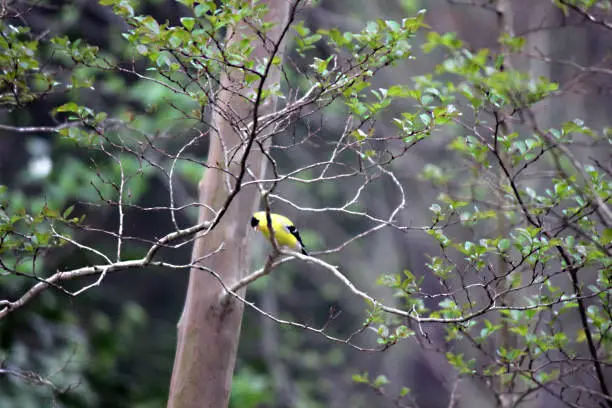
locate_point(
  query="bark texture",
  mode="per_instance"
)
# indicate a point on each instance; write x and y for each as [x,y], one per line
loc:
[209,328]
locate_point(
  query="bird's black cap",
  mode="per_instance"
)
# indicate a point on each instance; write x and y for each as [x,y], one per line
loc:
[254,222]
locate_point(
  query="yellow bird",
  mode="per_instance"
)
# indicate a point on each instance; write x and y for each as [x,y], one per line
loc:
[285,233]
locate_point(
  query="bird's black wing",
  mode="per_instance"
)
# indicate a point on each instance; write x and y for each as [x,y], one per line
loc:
[296,234]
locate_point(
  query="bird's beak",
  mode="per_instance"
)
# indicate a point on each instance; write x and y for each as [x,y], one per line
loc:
[254,223]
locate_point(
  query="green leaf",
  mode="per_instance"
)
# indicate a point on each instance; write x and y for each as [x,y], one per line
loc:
[606,236]
[380,381]
[67,212]
[202,9]
[503,245]
[68,107]
[403,332]
[361,378]
[188,23]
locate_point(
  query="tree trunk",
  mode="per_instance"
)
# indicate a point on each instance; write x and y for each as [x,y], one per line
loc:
[209,328]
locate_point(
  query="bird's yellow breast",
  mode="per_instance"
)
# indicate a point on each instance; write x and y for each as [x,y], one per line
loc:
[280,225]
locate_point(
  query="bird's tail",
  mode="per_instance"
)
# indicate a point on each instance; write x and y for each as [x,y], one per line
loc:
[305,252]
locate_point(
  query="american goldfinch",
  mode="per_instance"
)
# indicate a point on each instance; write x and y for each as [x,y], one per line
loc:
[285,233]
